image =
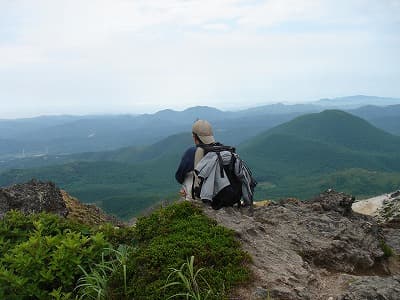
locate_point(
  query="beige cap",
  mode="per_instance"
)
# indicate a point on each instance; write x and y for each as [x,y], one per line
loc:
[204,131]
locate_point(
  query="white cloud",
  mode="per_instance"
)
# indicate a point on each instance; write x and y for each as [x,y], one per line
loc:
[144,54]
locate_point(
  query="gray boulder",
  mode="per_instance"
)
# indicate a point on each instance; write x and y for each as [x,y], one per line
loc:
[373,288]
[32,197]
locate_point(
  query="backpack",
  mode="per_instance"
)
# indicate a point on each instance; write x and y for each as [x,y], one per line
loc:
[234,170]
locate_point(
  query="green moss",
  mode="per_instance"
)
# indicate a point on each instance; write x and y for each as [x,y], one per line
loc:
[168,237]
[387,250]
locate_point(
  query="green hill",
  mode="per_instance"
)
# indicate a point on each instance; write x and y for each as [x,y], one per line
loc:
[295,155]
[339,128]
[123,182]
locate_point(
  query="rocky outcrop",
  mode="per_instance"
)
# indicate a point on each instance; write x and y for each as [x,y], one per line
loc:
[32,197]
[385,210]
[389,214]
[309,250]
[373,288]
[87,213]
[36,196]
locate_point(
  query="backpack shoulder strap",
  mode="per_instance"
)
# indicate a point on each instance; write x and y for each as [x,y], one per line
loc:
[216,147]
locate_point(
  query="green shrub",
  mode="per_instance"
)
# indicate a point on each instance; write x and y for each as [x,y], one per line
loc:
[40,254]
[171,235]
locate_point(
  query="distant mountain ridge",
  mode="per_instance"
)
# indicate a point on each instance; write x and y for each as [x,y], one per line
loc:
[357,101]
[76,134]
[387,117]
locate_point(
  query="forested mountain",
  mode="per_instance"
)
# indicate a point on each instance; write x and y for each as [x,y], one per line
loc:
[319,151]
[339,128]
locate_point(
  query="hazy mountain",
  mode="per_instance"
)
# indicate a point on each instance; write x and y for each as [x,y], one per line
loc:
[280,108]
[387,117]
[75,134]
[104,133]
[14,128]
[356,101]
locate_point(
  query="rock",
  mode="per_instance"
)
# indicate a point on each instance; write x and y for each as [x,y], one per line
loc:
[389,214]
[86,213]
[32,197]
[373,288]
[260,294]
[307,250]
[331,200]
[395,194]
[392,238]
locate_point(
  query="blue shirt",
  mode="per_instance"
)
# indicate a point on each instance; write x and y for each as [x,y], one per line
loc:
[186,165]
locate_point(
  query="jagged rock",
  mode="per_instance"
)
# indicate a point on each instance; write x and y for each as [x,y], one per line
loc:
[32,197]
[36,196]
[373,288]
[87,213]
[389,214]
[385,209]
[306,250]
[395,194]
[331,200]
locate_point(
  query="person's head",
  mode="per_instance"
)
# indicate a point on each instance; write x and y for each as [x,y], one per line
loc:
[202,132]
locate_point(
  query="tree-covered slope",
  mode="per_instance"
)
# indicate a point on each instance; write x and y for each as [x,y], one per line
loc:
[386,118]
[301,155]
[122,182]
[340,128]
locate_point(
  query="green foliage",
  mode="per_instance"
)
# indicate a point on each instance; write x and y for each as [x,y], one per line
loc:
[387,250]
[94,284]
[167,237]
[40,254]
[44,256]
[193,284]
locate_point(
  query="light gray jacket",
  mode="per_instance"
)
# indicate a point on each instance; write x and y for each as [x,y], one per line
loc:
[209,170]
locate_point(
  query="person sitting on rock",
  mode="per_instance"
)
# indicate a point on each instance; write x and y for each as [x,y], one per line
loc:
[202,134]
[213,172]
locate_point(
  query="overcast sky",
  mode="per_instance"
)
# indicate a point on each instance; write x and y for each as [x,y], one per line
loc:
[134,56]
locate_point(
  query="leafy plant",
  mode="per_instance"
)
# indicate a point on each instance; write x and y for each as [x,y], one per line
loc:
[190,280]
[40,254]
[94,284]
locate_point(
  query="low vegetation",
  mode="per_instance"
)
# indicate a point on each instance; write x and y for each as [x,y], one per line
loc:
[43,256]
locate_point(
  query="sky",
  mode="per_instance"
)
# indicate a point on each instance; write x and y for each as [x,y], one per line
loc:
[135,56]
